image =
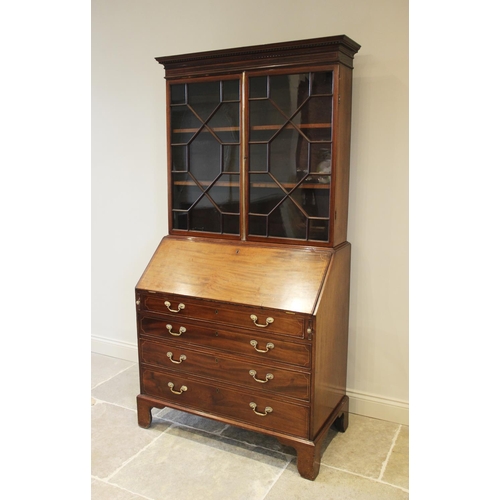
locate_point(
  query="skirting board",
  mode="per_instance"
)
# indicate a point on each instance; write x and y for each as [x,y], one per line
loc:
[360,403]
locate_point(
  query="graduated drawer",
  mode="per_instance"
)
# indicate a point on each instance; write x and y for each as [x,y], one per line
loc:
[245,372]
[263,346]
[208,397]
[253,318]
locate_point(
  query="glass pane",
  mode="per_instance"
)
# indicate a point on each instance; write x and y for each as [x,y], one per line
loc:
[318,230]
[230,158]
[184,191]
[265,120]
[314,199]
[183,124]
[204,98]
[258,157]
[288,92]
[231,90]
[205,157]
[287,221]
[205,217]
[316,118]
[264,194]
[226,121]
[180,220]
[321,158]
[231,224]
[178,94]
[322,83]
[226,193]
[179,158]
[258,87]
[283,163]
[257,225]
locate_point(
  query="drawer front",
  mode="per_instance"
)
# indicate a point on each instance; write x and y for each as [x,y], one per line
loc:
[179,389]
[261,346]
[245,372]
[285,323]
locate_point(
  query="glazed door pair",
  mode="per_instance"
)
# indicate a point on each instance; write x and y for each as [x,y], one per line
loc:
[251,156]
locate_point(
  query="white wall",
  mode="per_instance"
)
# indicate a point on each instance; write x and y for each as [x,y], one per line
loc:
[129,164]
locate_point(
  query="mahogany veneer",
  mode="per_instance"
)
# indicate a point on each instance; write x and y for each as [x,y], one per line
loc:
[242,312]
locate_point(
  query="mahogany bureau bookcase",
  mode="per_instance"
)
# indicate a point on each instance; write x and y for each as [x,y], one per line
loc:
[242,312]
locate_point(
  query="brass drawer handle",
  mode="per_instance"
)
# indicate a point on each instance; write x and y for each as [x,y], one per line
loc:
[183,388]
[254,319]
[269,376]
[175,334]
[267,410]
[182,358]
[269,346]
[180,308]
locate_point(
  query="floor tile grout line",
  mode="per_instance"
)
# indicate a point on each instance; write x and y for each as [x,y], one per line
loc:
[100,401]
[126,462]
[386,461]
[366,477]
[112,376]
[120,487]
[277,478]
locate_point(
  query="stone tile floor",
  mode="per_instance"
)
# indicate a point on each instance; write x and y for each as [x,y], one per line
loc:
[182,456]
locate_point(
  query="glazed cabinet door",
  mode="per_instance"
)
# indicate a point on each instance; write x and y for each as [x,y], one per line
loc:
[204,138]
[290,151]
[250,155]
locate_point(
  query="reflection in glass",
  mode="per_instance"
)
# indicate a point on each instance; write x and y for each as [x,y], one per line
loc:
[205,156]
[230,224]
[225,193]
[184,191]
[178,94]
[179,158]
[204,216]
[257,225]
[290,137]
[204,98]
[322,83]
[225,122]
[264,194]
[231,90]
[230,158]
[318,230]
[183,124]
[288,92]
[283,163]
[258,157]
[287,221]
[313,200]
[265,120]
[258,87]
[180,220]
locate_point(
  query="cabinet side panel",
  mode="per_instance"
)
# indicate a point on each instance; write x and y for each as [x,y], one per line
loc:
[342,143]
[330,353]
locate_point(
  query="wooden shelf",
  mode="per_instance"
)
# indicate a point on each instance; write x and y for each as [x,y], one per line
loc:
[267,185]
[256,127]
